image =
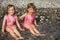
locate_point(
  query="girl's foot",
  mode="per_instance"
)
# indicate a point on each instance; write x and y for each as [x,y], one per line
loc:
[16,38]
[33,34]
[20,38]
[37,35]
[41,34]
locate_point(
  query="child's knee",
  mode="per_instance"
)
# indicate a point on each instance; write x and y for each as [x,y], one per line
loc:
[30,29]
[10,31]
[27,27]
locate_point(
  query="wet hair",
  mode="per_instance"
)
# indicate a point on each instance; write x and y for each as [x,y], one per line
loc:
[31,5]
[9,6]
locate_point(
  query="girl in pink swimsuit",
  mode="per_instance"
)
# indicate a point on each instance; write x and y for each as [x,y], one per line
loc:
[8,23]
[29,19]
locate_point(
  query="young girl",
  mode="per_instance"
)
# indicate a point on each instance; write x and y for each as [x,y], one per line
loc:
[8,22]
[29,19]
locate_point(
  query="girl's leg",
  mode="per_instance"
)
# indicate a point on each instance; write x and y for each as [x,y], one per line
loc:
[30,29]
[17,33]
[37,32]
[34,28]
[11,32]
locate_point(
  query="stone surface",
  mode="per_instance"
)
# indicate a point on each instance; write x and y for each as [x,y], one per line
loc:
[38,3]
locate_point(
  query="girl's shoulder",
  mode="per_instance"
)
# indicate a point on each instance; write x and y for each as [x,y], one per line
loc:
[15,16]
[5,16]
[33,15]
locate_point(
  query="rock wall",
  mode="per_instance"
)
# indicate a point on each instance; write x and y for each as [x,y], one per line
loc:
[38,3]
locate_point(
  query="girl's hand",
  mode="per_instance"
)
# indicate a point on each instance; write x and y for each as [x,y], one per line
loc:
[36,25]
[3,32]
[22,29]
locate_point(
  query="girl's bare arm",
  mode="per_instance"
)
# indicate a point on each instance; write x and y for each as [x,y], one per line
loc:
[18,24]
[21,17]
[35,22]
[3,24]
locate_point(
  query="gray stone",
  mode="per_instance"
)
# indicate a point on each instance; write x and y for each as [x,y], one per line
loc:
[38,3]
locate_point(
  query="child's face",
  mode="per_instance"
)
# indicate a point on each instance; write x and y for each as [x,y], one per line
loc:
[31,10]
[11,10]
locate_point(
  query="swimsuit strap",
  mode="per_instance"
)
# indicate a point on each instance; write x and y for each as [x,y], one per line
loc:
[14,18]
[8,19]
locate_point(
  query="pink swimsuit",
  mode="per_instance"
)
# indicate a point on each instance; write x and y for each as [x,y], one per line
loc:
[27,18]
[9,20]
